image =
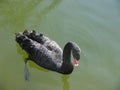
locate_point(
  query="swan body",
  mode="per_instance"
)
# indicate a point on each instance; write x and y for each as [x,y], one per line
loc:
[47,53]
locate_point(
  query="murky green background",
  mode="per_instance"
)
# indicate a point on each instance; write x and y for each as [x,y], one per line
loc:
[93,24]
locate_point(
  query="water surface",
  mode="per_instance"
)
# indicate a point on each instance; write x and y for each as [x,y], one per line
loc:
[93,24]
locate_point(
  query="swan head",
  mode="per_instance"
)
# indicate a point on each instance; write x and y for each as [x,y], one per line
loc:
[76,53]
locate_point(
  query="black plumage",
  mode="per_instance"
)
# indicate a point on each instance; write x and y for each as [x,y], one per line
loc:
[47,53]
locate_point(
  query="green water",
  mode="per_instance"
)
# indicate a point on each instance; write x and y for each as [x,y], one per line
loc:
[93,24]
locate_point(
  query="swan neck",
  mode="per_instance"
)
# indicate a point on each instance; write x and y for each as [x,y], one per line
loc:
[67,52]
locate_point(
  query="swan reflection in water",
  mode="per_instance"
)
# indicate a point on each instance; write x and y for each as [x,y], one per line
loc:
[66,85]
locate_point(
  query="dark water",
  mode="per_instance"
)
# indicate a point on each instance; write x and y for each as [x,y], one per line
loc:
[93,24]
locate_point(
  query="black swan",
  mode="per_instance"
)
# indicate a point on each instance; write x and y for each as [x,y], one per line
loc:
[47,53]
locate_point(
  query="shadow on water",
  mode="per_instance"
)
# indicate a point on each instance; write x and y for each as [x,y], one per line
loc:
[66,85]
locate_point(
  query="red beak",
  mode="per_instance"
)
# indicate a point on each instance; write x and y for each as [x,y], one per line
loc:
[76,62]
